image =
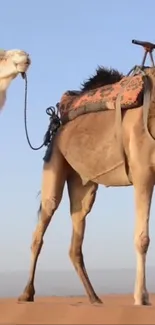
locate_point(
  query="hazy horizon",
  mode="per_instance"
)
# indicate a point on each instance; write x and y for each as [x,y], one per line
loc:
[67,283]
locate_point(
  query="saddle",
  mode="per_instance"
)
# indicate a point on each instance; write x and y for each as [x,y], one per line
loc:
[129,92]
[129,89]
[73,103]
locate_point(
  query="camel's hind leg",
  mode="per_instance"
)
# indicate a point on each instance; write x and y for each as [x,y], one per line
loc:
[81,201]
[54,176]
[143,196]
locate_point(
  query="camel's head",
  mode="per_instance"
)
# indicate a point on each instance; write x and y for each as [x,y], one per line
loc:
[12,63]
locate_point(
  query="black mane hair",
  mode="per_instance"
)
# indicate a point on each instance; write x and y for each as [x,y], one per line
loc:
[103,77]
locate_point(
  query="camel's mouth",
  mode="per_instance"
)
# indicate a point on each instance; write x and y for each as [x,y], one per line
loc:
[23,74]
[23,67]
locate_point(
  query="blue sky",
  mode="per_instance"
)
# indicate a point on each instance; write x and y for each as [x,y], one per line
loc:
[66,41]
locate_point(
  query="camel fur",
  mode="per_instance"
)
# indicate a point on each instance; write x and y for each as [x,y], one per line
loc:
[86,153]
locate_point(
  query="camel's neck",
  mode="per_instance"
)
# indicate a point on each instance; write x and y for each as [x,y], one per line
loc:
[4,84]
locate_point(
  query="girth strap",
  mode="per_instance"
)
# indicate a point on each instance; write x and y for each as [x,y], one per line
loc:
[146,105]
[118,116]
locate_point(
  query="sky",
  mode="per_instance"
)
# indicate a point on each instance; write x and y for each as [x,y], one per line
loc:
[66,41]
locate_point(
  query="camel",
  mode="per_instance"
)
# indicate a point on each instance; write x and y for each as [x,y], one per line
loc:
[12,62]
[87,151]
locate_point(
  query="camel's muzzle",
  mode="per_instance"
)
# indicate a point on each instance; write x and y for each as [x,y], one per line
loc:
[23,74]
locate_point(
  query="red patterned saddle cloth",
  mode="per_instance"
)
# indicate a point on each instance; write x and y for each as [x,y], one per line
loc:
[75,103]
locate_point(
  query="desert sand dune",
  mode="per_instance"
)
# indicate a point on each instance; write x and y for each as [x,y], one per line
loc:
[117,309]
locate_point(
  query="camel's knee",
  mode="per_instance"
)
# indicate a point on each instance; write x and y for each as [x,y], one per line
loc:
[76,255]
[37,242]
[50,205]
[75,251]
[89,199]
[87,205]
[142,243]
[87,202]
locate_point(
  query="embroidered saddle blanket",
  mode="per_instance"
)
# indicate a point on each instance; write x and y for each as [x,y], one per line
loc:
[75,103]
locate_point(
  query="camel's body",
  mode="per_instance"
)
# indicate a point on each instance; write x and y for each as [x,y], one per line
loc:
[86,153]
[12,63]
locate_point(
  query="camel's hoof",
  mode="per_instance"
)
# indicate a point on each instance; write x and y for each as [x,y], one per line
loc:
[142,302]
[28,295]
[96,301]
[25,297]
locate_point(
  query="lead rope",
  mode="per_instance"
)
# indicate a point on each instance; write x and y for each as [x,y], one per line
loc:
[55,121]
[25,118]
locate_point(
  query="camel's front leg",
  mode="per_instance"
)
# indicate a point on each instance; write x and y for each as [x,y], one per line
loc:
[81,202]
[143,196]
[54,176]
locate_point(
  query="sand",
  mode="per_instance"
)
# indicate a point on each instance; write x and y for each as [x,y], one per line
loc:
[117,309]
